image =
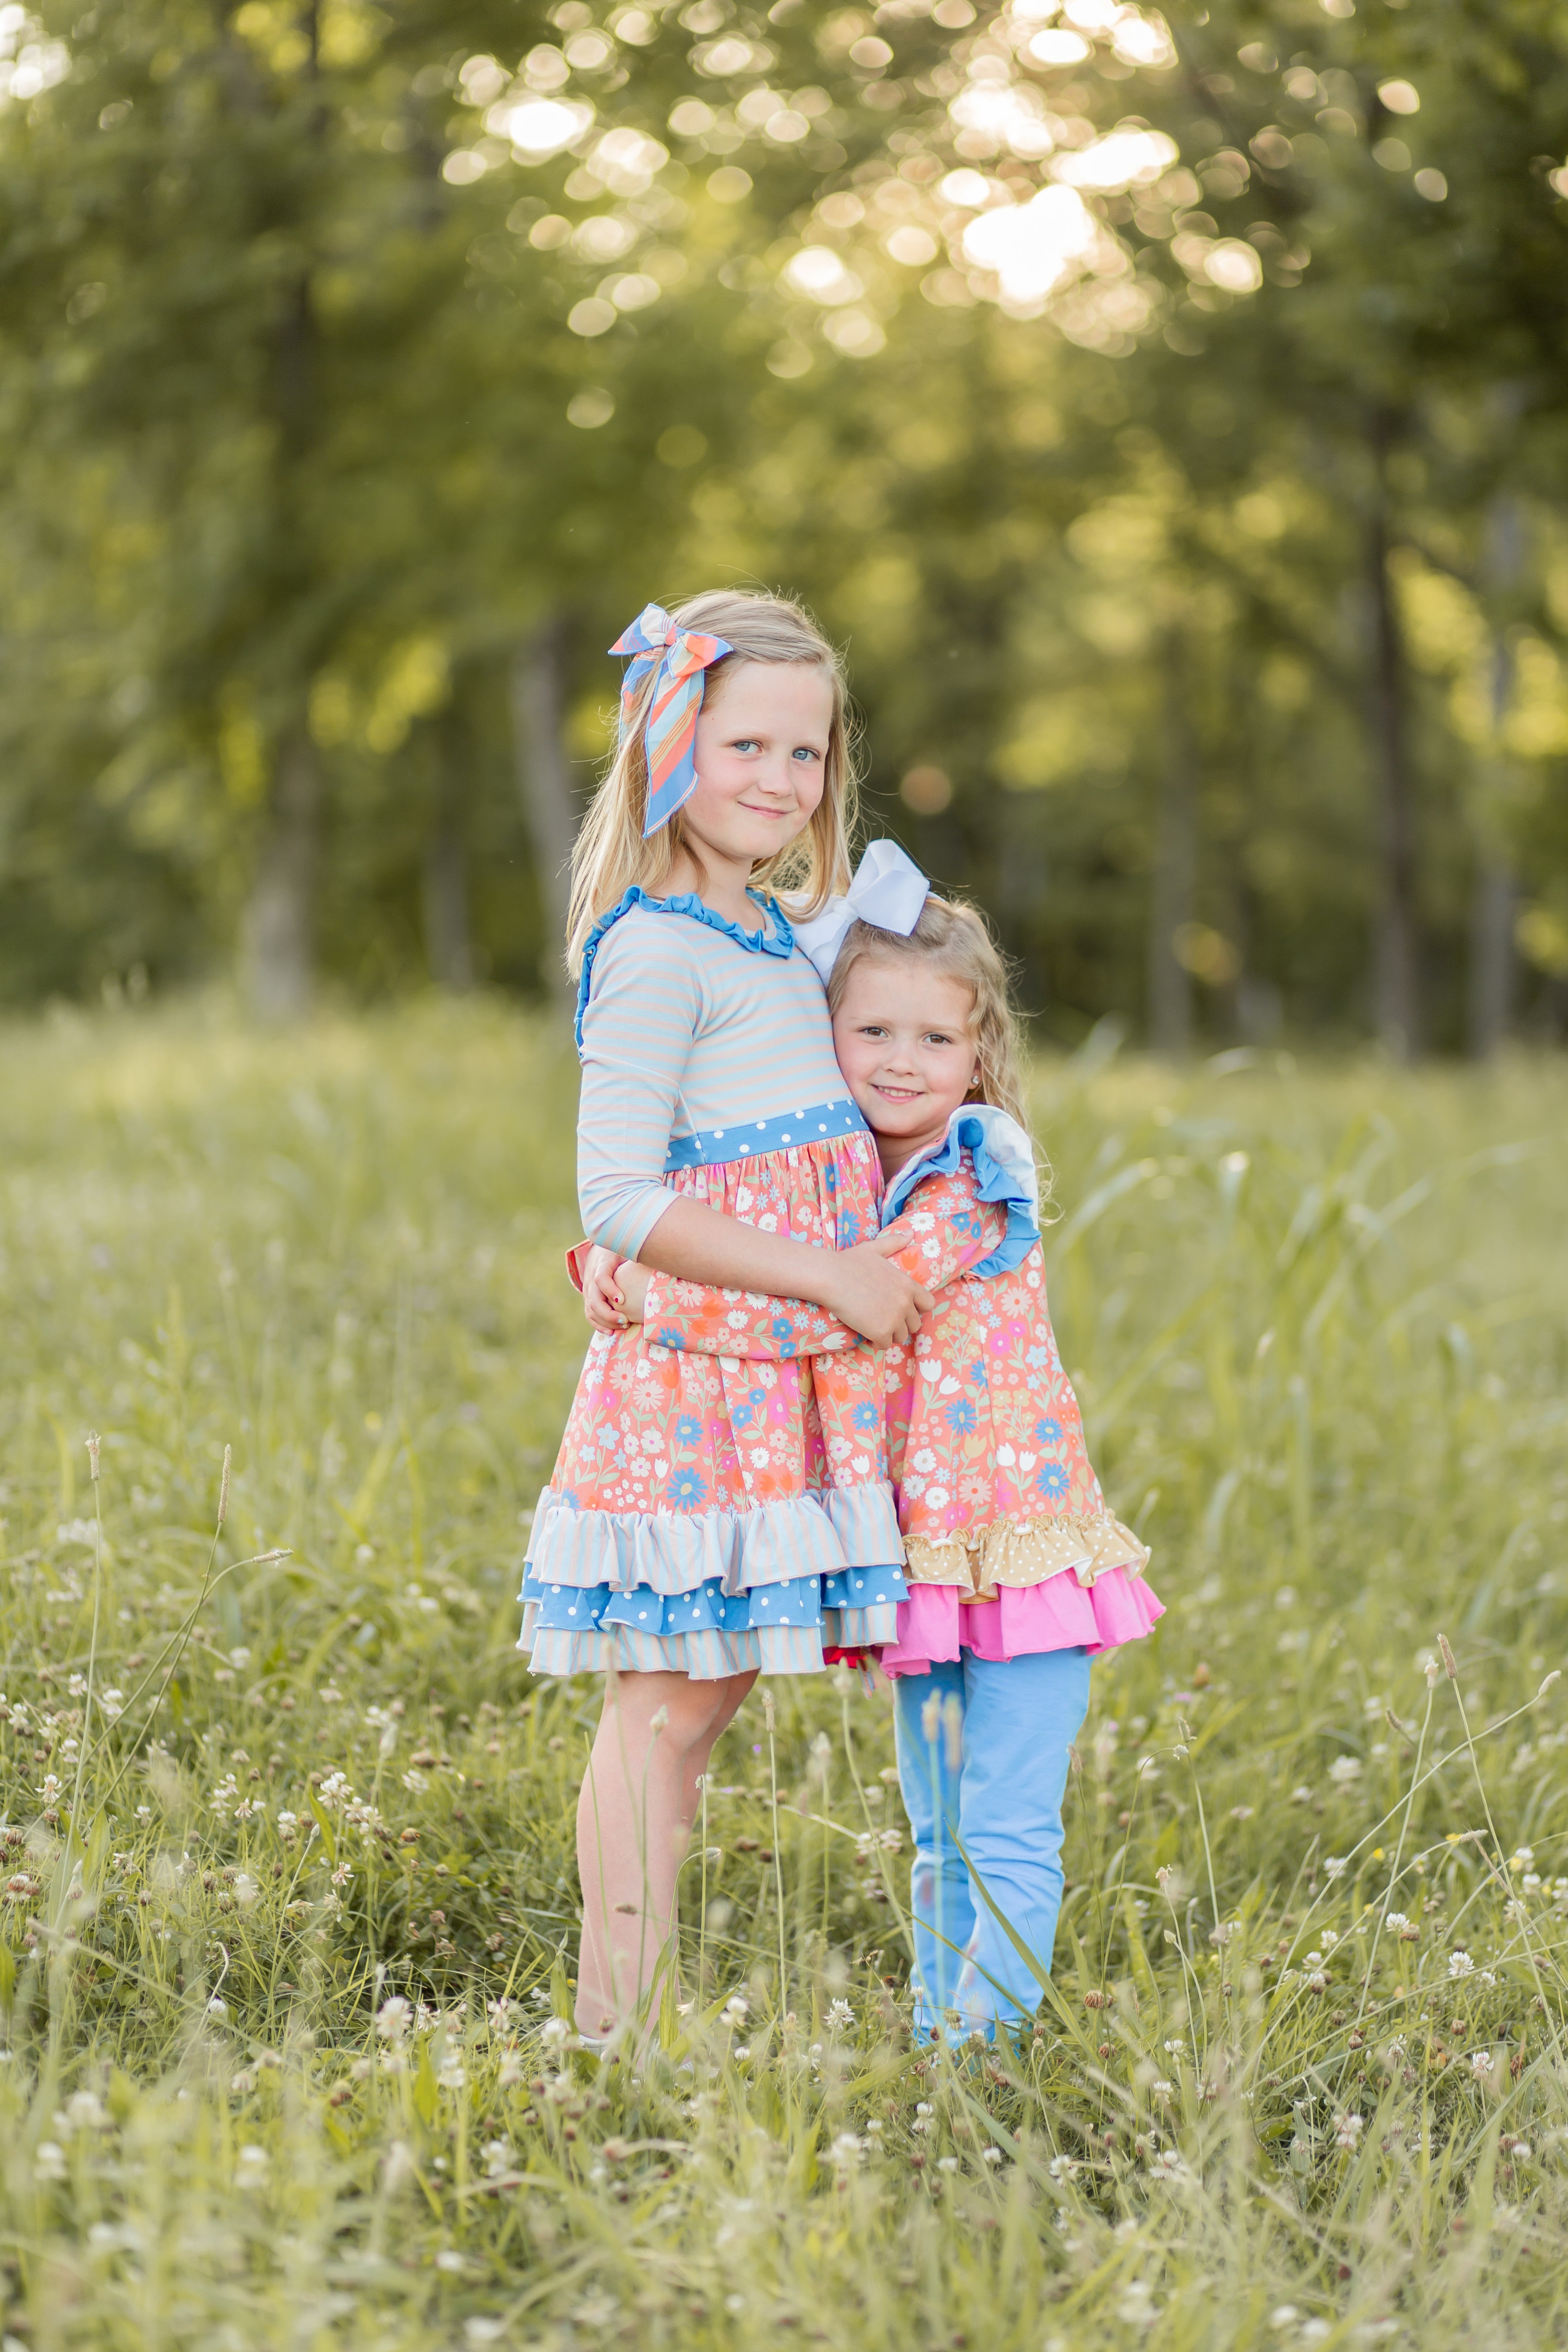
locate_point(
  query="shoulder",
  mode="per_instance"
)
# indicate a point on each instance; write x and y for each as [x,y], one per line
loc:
[999,1152]
[638,954]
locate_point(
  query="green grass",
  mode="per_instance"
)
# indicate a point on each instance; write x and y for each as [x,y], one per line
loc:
[1317,1321]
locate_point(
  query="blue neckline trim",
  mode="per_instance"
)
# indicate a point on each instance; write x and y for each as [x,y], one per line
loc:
[777,942]
[995,1181]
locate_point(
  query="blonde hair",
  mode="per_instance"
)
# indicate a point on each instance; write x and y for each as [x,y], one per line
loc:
[956,941]
[610,855]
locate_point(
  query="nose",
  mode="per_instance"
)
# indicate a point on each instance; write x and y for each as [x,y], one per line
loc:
[774,777]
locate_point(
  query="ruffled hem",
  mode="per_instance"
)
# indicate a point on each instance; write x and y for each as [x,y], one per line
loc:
[672,1552]
[939,1620]
[863,1593]
[980,1562]
[701,1657]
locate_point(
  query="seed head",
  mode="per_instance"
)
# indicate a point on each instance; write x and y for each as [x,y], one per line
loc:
[92,1445]
[223,1486]
[1452,1670]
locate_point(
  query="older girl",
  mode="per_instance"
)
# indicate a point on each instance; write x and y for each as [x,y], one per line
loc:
[702,1519]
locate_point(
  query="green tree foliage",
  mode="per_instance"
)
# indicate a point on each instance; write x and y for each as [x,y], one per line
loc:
[1166,413]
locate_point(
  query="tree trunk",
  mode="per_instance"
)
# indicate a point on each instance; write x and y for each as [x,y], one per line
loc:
[1170,987]
[279,921]
[1492,909]
[1492,905]
[1396,1004]
[549,806]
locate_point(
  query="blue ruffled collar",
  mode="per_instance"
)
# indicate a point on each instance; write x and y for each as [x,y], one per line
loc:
[774,939]
[1004,1172]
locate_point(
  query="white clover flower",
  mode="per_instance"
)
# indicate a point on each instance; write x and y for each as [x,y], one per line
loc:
[1481,2064]
[1460,1964]
[554,2032]
[840,2014]
[252,2169]
[1063,2168]
[393,2019]
[1348,2130]
[991,2156]
[1334,1865]
[1345,1770]
[48,2162]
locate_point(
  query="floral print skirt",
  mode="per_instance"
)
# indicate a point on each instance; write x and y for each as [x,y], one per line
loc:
[709,1515]
[1010,1549]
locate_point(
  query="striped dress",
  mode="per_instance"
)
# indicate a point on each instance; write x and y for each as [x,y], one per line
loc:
[707,1514]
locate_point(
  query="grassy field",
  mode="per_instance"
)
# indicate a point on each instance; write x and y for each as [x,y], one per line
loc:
[288,1936]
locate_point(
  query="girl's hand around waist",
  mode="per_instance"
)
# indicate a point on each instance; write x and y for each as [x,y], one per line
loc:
[875,1296]
[614,1289]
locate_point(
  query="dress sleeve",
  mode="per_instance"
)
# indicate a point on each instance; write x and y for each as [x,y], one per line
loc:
[641,1017]
[944,1231]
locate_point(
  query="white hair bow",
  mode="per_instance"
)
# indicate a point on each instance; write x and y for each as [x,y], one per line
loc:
[888,891]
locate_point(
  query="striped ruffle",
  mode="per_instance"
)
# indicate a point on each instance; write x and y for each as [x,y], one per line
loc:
[669,1551]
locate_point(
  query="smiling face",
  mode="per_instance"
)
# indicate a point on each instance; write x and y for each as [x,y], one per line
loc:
[761,757]
[903,1035]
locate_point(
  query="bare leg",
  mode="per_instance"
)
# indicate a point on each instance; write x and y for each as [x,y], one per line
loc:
[634,1817]
[698,1756]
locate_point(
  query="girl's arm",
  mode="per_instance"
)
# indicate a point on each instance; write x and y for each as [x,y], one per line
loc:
[943,1232]
[643,1013]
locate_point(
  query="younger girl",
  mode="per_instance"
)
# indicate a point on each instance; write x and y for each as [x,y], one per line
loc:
[1017,1572]
[701,1521]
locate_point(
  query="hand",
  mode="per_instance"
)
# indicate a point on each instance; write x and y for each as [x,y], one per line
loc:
[874,1296]
[633,1280]
[602,1293]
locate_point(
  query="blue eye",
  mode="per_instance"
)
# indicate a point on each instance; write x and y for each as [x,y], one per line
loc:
[804,752]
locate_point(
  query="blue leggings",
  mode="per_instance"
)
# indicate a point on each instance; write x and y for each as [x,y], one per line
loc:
[983,1752]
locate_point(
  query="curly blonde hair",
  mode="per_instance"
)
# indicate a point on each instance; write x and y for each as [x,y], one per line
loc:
[956,941]
[611,857]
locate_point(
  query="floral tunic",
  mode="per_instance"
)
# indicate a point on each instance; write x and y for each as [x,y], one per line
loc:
[1010,1547]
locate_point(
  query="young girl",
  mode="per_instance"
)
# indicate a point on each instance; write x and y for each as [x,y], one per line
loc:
[1017,1572]
[703,1519]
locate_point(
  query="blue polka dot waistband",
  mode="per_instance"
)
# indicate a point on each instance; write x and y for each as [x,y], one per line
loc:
[816,1124]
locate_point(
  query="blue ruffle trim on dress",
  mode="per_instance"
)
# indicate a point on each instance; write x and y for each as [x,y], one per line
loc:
[1004,1171]
[706,1608]
[778,940]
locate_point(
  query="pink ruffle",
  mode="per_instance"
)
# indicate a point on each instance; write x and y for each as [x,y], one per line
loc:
[1058,1614]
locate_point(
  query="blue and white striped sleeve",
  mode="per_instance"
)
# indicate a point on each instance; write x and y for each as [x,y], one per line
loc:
[638,1031]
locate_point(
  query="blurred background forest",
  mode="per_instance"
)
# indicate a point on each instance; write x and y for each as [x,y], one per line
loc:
[1166,411]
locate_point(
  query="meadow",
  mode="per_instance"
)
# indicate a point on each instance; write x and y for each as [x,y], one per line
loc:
[288,1902]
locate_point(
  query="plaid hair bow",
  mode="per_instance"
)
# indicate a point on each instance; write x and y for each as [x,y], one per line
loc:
[681,657]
